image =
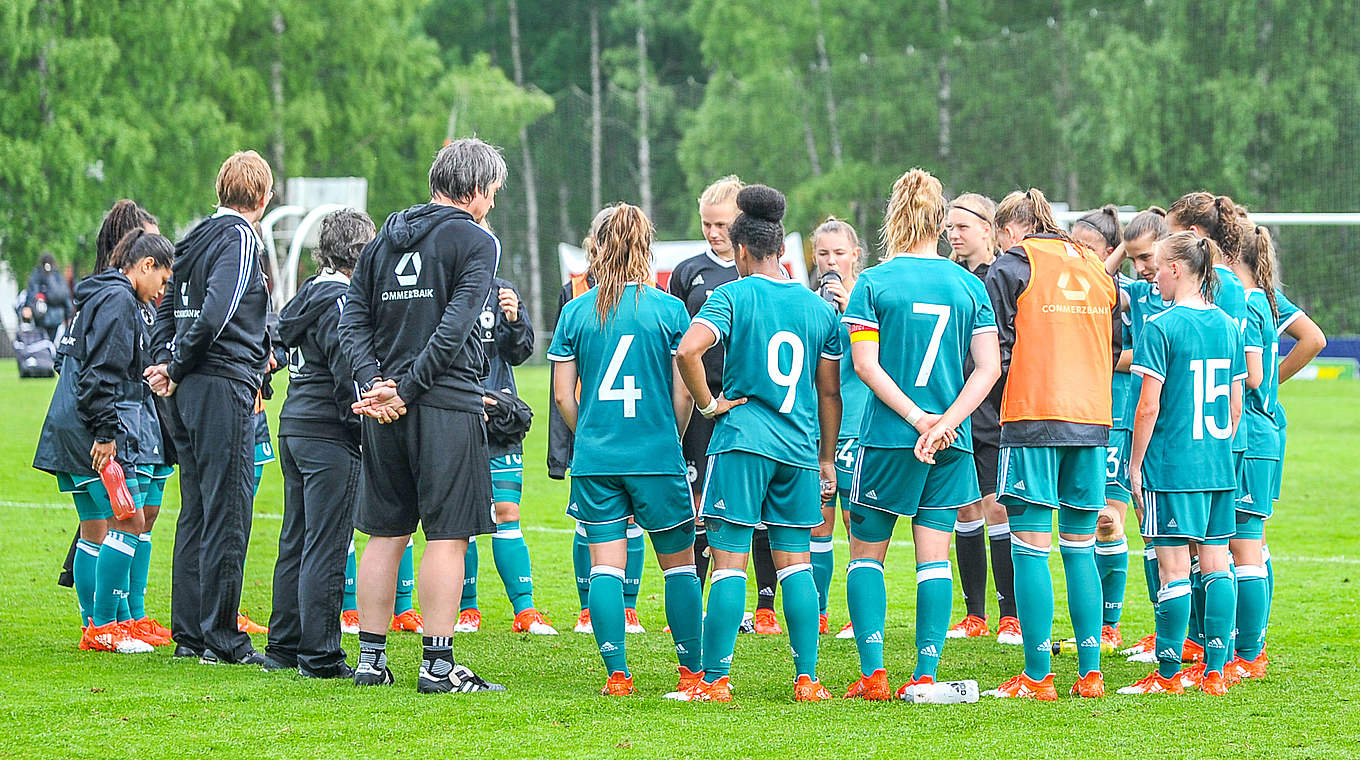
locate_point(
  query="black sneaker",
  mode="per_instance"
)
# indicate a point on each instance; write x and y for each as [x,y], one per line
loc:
[251,658]
[186,652]
[272,664]
[460,680]
[342,670]
[367,675]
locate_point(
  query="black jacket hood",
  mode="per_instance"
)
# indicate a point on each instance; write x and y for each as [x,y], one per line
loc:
[405,228]
[311,302]
[95,288]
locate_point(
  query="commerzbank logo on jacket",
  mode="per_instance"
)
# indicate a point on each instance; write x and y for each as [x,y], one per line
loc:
[183,311]
[408,275]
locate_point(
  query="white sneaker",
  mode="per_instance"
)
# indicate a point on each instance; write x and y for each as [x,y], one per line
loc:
[583,624]
[1147,658]
[748,623]
[129,645]
[469,621]
[631,623]
[848,632]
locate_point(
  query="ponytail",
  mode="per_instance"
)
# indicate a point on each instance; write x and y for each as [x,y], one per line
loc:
[1149,222]
[623,254]
[1216,215]
[1258,255]
[1199,255]
[1032,210]
[139,244]
[916,212]
[124,216]
[1105,221]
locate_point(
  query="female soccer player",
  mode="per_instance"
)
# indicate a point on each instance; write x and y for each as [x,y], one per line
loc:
[1054,306]
[1100,231]
[971,231]
[96,415]
[1182,467]
[913,319]
[836,249]
[778,336]
[618,340]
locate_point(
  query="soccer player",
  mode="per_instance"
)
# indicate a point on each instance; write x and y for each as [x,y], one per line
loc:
[772,415]
[319,447]
[1182,467]
[1100,231]
[912,321]
[404,615]
[212,355]
[839,257]
[1054,307]
[617,340]
[971,231]
[407,328]
[96,416]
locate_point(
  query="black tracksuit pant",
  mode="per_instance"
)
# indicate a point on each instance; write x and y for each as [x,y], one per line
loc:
[214,434]
[320,486]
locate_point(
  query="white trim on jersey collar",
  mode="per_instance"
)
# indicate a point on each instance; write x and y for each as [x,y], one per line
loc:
[720,261]
[1205,307]
[332,275]
[771,279]
[224,211]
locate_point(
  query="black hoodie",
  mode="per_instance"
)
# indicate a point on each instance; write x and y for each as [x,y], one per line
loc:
[320,389]
[212,319]
[414,302]
[100,394]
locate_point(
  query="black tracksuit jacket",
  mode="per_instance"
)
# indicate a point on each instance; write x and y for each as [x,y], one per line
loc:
[320,386]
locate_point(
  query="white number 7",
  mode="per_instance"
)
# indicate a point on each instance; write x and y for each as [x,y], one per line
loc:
[629,393]
[941,314]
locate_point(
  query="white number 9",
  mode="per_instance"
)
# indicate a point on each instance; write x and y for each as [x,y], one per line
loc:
[787,380]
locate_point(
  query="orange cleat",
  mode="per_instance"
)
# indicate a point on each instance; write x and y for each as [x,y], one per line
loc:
[873,687]
[703,691]
[631,623]
[688,678]
[1214,684]
[1024,687]
[805,689]
[971,627]
[469,621]
[1145,645]
[151,631]
[583,624]
[530,620]
[906,687]
[245,625]
[1241,669]
[409,621]
[618,685]
[823,625]
[847,631]
[1008,631]
[1091,685]
[1190,677]
[111,637]
[1192,652]
[766,623]
[349,621]
[1110,638]
[1154,684]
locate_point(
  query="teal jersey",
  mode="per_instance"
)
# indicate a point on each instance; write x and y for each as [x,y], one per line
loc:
[1197,354]
[1286,312]
[925,310]
[1232,299]
[626,424]
[773,333]
[1145,302]
[854,393]
[1258,406]
[1119,384]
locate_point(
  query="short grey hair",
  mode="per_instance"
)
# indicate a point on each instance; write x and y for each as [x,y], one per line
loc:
[466,167]
[344,234]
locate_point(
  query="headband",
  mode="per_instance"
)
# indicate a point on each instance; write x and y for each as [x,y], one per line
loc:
[974,213]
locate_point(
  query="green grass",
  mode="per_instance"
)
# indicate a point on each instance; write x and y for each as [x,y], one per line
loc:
[60,702]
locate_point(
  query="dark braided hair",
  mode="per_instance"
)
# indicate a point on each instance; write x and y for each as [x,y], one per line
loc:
[759,227]
[124,217]
[139,244]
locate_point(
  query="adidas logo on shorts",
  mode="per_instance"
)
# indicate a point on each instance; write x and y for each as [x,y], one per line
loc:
[874,638]
[571,507]
[720,504]
[1246,500]
[1019,485]
[1090,641]
[1171,523]
[607,647]
[726,660]
[930,650]
[872,494]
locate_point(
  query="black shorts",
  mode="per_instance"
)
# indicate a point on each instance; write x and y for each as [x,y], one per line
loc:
[428,469]
[985,457]
[694,447]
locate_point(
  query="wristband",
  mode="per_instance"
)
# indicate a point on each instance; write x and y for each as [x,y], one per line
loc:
[711,408]
[914,416]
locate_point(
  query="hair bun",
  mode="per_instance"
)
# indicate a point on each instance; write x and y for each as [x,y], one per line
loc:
[1158,210]
[762,202]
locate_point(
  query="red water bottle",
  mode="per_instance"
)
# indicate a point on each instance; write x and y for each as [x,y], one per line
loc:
[116,486]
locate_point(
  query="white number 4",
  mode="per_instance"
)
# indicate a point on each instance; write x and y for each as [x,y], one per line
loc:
[629,393]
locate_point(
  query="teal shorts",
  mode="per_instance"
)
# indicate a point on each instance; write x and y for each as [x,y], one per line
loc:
[1256,487]
[1205,517]
[1117,467]
[1039,519]
[655,502]
[264,453]
[876,525]
[154,477]
[847,451]
[92,499]
[749,489]
[736,538]
[894,480]
[507,478]
[1052,476]
[1279,464]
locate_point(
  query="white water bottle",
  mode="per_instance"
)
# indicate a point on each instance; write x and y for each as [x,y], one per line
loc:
[943,693]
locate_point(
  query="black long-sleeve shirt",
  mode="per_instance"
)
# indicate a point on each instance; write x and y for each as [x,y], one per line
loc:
[320,387]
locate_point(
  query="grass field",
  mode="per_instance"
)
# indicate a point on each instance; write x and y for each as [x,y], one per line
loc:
[60,702]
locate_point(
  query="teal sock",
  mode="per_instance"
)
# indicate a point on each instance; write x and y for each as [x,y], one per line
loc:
[1112,566]
[606,615]
[1220,614]
[726,606]
[580,562]
[685,614]
[83,568]
[350,601]
[934,599]
[1253,593]
[259,474]
[406,580]
[1195,629]
[1173,614]
[823,566]
[1034,605]
[632,574]
[1150,573]
[469,600]
[1083,600]
[801,617]
[867,597]
[111,574]
[511,556]
[1270,586]
[137,575]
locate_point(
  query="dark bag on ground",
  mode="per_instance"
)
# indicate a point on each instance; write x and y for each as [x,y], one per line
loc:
[35,352]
